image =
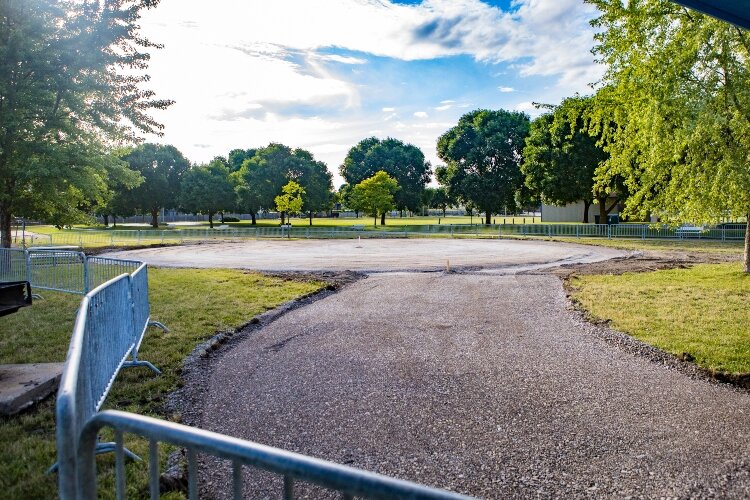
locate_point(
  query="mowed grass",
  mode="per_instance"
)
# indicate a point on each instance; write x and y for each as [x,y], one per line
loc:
[194,304]
[701,311]
[685,245]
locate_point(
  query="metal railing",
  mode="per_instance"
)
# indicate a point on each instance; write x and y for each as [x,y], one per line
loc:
[62,270]
[103,338]
[106,332]
[113,238]
[293,467]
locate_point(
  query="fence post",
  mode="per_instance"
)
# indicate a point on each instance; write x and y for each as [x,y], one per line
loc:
[609,231]
[723,233]
[578,231]
[139,236]
[451,230]
[27,256]
[549,230]
[85,274]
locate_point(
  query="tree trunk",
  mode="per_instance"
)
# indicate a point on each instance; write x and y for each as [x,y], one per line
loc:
[252,216]
[382,219]
[310,217]
[487,217]
[221,215]
[747,245]
[5,235]
[106,220]
[114,221]
[602,210]
[283,217]
[375,220]
[586,206]
[155,217]
[211,220]
[444,209]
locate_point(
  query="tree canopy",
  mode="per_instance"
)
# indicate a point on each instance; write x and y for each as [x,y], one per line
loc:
[375,195]
[71,85]
[483,156]
[403,162]
[561,157]
[206,189]
[262,177]
[162,168]
[290,200]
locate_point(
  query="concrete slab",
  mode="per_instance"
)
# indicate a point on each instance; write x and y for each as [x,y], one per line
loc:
[23,385]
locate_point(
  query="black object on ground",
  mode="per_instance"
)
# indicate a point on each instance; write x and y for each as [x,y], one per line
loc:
[13,296]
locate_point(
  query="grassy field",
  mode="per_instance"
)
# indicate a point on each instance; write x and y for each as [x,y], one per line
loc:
[686,245]
[194,304]
[701,311]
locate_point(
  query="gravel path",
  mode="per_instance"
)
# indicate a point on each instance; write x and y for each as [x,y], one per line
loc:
[483,384]
[371,255]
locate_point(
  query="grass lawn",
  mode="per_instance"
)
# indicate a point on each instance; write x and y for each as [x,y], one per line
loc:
[194,304]
[685,245]
[701,311]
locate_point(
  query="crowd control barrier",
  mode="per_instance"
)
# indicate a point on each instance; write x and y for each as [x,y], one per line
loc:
[107,331]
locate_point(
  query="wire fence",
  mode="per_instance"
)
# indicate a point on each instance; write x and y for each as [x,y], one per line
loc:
[119,238]
[61,269]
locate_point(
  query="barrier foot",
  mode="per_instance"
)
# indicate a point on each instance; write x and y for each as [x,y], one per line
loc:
[100,449]
[138,362]
[158,325]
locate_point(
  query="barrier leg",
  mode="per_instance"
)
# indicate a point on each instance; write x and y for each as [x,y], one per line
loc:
[102,448]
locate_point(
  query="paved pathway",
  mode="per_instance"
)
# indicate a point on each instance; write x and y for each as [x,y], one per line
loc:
[371,254]
[483,384]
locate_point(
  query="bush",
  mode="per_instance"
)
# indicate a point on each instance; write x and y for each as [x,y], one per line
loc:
[231,219]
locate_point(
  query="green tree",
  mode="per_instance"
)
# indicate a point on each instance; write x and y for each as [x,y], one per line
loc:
[677,88]
[561,157]
[262,177]
[483,153]
[162,167]
[238,156]
[290,201]
[206,189]
[375,196]
[317,183]
[442,200]
[71,83]
[403,162]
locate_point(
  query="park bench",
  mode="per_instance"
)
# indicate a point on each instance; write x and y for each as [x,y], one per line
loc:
[13,296]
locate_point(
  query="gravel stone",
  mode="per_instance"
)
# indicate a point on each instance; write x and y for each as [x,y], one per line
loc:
[486,384]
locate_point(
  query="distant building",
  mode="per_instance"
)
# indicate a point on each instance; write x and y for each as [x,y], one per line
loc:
[573,212]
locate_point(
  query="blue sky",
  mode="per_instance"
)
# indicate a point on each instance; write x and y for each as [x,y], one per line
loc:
[324,74]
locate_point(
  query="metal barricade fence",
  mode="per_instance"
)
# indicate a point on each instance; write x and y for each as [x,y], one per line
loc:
[101,342]
[107,330]
[13,265]
[293,467]
[91,238]
[59,270]
[102,269]
[141,315]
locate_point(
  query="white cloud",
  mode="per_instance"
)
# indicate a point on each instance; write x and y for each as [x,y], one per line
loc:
[554,35]
[506,90]
[342,59]
[247,73]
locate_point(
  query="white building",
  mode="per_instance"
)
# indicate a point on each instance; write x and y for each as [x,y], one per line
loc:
[573,212]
